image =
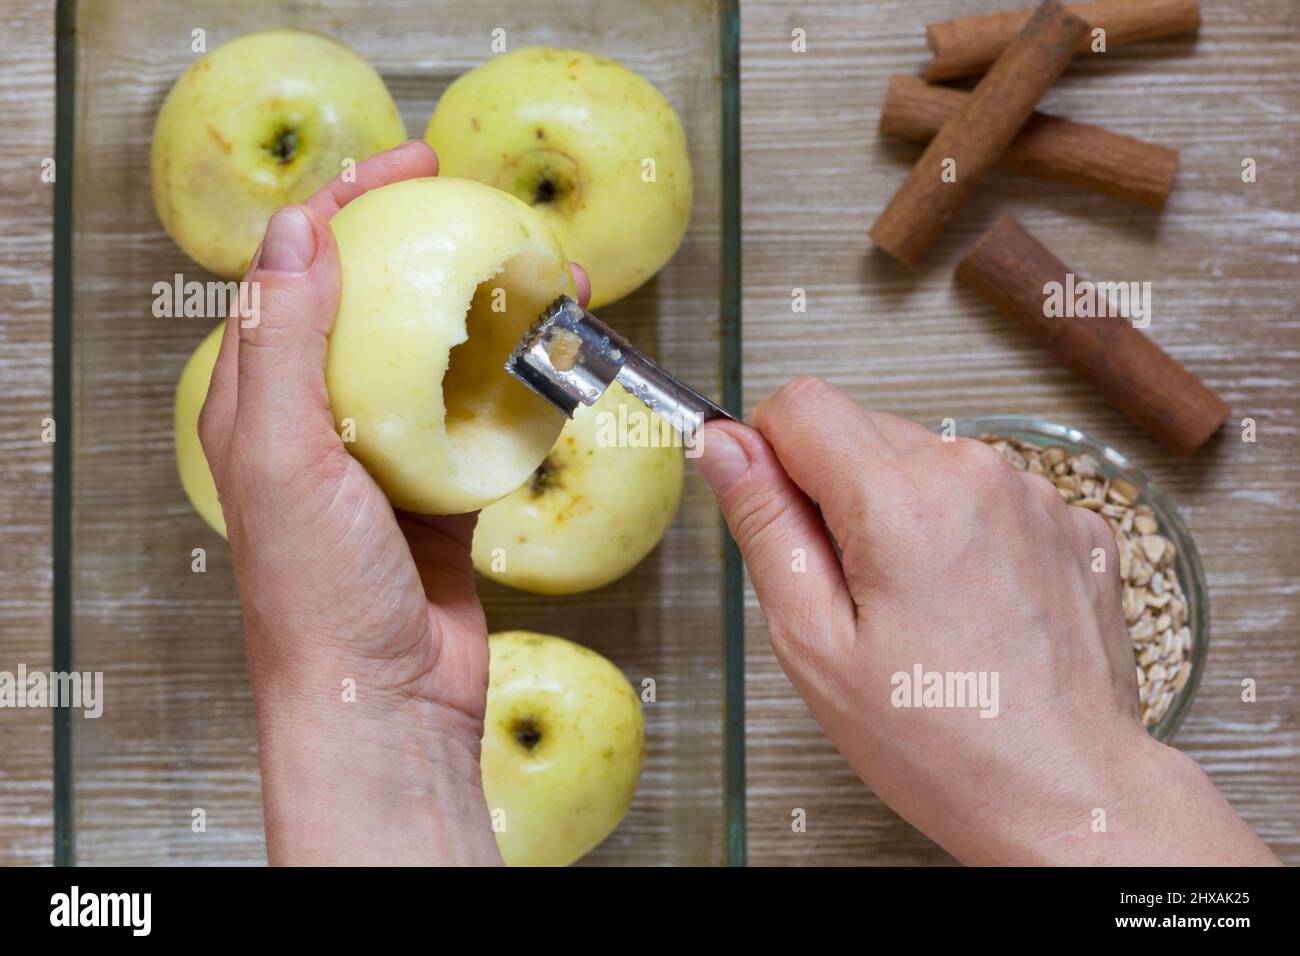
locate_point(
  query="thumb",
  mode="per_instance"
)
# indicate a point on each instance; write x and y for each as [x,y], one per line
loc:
[780,533]
[283,341]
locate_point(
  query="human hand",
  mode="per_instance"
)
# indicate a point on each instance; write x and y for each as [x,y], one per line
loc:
[338,588]
[952,561]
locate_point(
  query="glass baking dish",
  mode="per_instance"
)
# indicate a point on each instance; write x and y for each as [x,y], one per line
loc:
[177,731]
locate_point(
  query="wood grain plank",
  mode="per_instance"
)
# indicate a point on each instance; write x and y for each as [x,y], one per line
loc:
[26,203]
[1222,257]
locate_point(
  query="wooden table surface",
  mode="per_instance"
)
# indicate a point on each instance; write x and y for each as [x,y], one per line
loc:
[1223,259]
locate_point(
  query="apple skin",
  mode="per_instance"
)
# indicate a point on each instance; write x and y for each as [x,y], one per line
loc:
[421,260]
[220,162]
[191,392]
[592,515]
[567,132]
[563,743]
[444,430]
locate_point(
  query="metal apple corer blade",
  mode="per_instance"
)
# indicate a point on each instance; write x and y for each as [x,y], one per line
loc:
[569,356]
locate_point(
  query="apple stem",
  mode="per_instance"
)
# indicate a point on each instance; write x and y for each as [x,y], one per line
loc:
[527,734]
[284,146]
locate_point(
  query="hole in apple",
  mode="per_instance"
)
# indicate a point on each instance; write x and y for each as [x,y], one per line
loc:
[544,192]
[545,177]
[489,417]
[526,733]
[284,145]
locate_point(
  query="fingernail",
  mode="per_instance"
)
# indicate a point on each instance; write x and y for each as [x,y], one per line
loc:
[724,460]
[290,244]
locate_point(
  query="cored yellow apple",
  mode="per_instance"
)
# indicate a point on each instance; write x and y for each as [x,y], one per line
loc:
[563,742]
[441,278]
[191,392]
[599,502]
[595,148]
[261,122]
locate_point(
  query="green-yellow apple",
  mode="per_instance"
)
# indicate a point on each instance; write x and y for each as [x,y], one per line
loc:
[594,147]
[441,278]
[563,742]
[261,122]
[599,502]
[191,391]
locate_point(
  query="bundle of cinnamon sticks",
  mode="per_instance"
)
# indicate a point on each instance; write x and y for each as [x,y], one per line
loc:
[996,124]
[969,133]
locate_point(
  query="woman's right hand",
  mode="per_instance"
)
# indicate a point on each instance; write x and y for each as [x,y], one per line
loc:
[952,561]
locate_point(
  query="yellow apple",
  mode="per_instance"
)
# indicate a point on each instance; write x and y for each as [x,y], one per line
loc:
[599,502]
[594,147]
[416,363]
[261,122]
[563,743]
[441,278]
[191,392]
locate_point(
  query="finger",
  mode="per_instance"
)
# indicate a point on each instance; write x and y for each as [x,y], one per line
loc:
[886,435]
[905,436]
[1041,490]
[796,575]
[1102,550]
[1102,563]
[825,443]
[217,420]
[411,160]
[583,283]
[1040,487]
[440,545]
[280,379]
[458,529]
[217,416]
[440,548]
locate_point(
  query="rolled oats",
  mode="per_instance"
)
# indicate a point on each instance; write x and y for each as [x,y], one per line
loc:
[1155,608]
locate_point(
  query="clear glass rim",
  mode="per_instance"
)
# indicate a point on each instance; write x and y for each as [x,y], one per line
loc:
[61,542]
[735,846]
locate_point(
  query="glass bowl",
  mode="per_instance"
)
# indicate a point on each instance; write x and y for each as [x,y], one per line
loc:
[1114,464]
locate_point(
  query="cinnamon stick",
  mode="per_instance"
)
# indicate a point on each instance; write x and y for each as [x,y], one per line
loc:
[968,145]
[1046,147]
[967,45]
[1013,270]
